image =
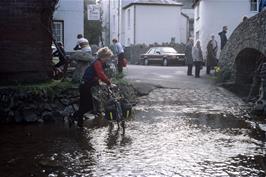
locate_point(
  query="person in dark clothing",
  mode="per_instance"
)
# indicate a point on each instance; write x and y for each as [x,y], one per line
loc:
[60,54]
[188,55]
[212,60]
[223,37]
[91,77]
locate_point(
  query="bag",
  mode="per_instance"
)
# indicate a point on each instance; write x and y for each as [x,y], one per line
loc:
[201,65]
[126,108]
[124,62]
[110,110]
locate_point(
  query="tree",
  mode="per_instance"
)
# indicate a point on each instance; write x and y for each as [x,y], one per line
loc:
[92,29]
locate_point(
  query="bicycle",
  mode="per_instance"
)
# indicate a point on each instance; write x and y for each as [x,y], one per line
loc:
[113,109]
[114,105]
[108,102]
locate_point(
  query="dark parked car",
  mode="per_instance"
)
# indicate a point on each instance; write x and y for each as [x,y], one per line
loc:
[162,55]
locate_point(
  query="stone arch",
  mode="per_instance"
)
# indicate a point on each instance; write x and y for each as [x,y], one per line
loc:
[247,68]
[242,52]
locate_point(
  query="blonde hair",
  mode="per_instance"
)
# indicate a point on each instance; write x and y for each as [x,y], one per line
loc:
[104,52]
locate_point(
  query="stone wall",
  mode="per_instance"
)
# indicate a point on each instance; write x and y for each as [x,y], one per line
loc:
[133,52]
[25,42]
[248,38]
[52,101]
[36,103]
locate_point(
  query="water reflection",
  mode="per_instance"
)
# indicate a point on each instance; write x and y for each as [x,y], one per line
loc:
[40,150]
[160,141]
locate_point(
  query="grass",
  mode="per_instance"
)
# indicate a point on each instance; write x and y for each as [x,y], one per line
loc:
[49,87]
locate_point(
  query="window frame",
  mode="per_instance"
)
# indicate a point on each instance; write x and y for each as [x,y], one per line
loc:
[128,19]
[252,4]
[198,12]
[62,37]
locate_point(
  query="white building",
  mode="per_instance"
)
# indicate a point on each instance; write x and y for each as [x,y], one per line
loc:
[144,21]
[111,20]
[188,12]
[147,23]
[212,15]
[68,21]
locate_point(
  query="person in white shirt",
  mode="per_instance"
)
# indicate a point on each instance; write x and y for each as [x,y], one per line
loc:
[197,58]
[82,44]
[119,52]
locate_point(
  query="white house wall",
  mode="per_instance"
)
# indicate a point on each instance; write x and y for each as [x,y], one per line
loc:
[184,27]
[216,14]
[122,34]
[72,13]
[105,21]
[157,24]
[114,19]
[129,23]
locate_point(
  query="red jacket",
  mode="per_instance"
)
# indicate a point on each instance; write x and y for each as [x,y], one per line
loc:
[99,71]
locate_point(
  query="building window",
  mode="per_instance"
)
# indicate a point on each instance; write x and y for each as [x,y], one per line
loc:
[191,27]
[114,4]
[254,5]
[58,31]
[128,41]
[197,35]
[114,22]
[197,12]
[128,19]
[172,40]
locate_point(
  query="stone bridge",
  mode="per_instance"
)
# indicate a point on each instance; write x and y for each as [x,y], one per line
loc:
[244,52]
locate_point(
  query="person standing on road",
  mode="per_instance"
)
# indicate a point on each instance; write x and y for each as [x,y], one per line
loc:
[197,58]
[212,60]
[223,37]
[91,77]
[119,52]
[188,55]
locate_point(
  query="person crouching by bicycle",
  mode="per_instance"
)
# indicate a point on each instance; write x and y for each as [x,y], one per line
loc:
[119,51]
[93,74]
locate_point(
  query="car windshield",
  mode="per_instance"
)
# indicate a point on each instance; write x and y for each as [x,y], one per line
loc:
[168,50]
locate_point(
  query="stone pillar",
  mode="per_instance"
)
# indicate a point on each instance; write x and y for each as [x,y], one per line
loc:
[25,42]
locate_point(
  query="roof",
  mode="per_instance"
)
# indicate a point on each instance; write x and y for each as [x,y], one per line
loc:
[154,2]
[187,4]
[185,15]
[195,2]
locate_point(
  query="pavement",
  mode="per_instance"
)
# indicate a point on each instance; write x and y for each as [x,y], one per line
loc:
[167,77]
[171,86]
[147,78]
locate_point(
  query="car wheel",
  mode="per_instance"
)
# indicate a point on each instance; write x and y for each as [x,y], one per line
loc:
[146,62]
[165,62]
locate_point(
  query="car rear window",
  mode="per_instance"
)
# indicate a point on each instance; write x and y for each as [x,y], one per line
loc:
[168,50]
